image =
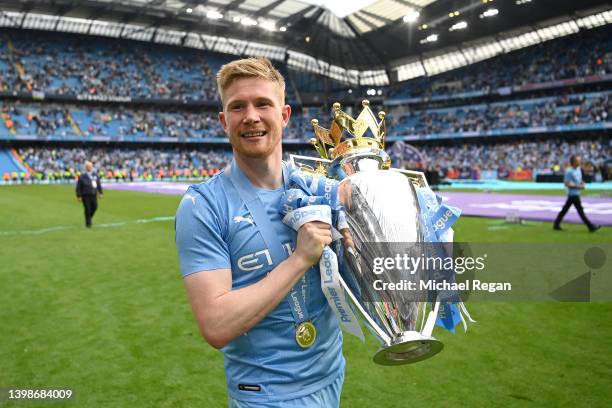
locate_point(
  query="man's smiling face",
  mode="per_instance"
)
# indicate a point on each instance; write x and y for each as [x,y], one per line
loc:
[254,116]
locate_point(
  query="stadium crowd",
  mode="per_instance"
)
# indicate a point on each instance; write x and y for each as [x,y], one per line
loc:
[456,161]
[581,55]
[76,65]
[124,163]
[82,122]
[543,156]
[80,65]
[566,109]
[118,122]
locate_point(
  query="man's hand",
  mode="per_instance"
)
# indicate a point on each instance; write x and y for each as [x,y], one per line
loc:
[79,199]
[347,240]
[312,238]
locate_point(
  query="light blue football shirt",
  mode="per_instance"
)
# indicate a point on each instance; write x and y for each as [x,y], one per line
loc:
[573,175]
[214,230]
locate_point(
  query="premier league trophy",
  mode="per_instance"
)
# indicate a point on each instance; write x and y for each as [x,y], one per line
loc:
[381,210]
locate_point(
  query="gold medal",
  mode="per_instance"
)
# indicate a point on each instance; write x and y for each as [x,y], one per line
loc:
[305,334]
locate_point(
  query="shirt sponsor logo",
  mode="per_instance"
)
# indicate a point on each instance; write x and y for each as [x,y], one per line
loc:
[259,259]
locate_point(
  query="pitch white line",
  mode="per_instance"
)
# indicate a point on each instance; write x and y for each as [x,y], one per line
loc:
[67,227]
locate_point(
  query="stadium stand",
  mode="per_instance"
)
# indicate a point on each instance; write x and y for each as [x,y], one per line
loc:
[507,159]
[504,160]
[58,63]
[589,109]
[581,55]
[62,64]
[9,162]
[125,163]
[52,121]
[563,113]
[63,88]
[72,64]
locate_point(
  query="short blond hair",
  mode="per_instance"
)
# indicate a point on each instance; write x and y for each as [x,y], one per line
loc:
[254,67]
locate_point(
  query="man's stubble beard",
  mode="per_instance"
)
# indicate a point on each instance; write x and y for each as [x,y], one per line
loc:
[258,153]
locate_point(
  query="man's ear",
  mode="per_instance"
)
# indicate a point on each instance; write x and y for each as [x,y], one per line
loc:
[286,113]
[223,121]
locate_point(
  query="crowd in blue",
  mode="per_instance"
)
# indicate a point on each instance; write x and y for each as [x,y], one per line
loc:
[545,156]
[37,63]
[66,122]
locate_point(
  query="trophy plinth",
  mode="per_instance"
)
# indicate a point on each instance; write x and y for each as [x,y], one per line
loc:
[411,347]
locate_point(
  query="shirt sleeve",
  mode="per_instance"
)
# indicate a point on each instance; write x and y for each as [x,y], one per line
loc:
[198,234]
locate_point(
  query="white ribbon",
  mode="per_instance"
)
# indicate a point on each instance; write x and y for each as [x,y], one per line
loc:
[328,266]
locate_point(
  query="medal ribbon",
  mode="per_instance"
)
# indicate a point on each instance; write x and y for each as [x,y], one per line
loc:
[248,194]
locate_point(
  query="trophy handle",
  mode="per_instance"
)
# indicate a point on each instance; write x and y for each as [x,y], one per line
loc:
[416,177]
[370,322]
[310,165]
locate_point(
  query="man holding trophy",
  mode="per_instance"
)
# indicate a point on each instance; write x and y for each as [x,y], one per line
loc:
[249,277]
[249,240]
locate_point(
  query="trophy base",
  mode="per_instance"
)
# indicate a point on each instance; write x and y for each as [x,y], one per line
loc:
[409,348]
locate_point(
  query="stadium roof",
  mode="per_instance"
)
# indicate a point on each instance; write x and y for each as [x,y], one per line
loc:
[374,36]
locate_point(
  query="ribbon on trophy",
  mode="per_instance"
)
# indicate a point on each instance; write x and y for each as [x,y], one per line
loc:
[316,199]
[437,219]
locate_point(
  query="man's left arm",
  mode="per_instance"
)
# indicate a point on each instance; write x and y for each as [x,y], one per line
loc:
[79,186]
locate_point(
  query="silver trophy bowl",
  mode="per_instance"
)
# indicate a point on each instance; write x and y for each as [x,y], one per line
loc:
[382,220]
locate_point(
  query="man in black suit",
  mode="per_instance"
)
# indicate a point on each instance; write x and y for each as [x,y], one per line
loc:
[87,189]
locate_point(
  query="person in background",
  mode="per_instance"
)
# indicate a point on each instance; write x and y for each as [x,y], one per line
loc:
[573,182]
[87,190]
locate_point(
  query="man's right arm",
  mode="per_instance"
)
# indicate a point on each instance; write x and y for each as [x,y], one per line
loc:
[224,314]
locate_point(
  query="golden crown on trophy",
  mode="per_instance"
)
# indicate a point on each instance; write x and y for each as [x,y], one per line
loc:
[333,137]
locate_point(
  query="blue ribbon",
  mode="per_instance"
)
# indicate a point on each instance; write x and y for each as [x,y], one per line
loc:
[448,316]
[311,190]
[437,218]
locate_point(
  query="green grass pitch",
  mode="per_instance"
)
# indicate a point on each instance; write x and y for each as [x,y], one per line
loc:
[104,312]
